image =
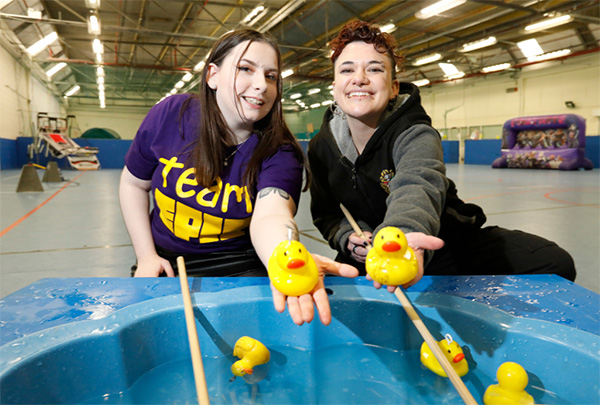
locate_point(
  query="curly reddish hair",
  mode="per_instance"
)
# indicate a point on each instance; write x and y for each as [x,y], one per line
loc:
[363,31]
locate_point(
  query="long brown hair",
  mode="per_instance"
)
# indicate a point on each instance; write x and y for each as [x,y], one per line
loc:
[208,153]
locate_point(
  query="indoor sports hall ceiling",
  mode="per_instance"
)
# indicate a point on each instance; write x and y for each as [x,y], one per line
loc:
[146,47]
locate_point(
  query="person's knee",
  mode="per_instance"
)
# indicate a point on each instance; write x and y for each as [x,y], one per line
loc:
[564,264]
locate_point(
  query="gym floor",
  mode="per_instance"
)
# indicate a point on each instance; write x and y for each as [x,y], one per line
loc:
[75,229]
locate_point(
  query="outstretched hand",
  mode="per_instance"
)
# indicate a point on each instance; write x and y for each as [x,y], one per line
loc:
[302,308]
[418,241]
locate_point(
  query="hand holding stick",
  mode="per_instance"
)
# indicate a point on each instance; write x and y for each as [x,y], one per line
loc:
[463,391]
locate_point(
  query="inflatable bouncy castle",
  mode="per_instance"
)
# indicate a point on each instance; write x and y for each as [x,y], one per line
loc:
[544,142]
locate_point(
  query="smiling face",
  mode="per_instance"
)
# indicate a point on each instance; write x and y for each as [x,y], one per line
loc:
[246,85]
[363,83]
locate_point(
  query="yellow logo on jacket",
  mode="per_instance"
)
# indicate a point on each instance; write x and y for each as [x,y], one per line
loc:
[384,179]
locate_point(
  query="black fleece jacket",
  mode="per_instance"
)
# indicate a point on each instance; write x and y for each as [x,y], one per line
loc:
[398,180]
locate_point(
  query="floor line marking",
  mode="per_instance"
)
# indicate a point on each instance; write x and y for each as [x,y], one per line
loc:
[24,217]
[66,249]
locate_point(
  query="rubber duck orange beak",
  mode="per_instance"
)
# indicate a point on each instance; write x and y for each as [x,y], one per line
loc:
[248,371]
[458,357]
[391,246]
[295,263]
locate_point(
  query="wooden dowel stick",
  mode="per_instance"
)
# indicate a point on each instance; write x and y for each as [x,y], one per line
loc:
[460,386]
[190,322]
[458,383]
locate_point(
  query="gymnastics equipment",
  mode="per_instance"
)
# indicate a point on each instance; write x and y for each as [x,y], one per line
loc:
[29,180]
[52,174]
[544,142]
[53,138]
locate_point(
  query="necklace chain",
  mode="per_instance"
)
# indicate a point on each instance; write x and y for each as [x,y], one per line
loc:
[226,161]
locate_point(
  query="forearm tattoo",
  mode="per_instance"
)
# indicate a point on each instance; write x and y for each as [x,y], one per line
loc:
[273,190]
[291,227]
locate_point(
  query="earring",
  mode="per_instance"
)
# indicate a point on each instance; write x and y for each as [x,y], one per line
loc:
[334,108]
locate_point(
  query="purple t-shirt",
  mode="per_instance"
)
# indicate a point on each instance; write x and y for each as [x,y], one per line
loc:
[190,219]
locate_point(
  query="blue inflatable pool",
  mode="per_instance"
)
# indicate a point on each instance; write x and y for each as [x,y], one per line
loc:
[124,341]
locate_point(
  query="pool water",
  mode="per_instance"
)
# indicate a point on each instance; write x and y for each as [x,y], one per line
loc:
[369,353]
[343,374]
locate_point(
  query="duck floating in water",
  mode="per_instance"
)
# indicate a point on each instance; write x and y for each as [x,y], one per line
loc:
[251,353]
[391,261]
[453,353]
[292,269]
[512,380]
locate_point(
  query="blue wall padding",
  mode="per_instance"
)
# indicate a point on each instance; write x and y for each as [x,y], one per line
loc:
[592,149]
[13,153]
[482,152]
[8,154]
[111,155]
[450,151]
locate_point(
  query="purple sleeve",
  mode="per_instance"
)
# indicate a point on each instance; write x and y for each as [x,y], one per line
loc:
[161,123]
[282,170]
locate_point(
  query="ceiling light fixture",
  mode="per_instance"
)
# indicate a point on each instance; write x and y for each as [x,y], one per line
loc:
[94,26]
[40,45]
[422,82]
[55,69]
[478,44]
[287,73]
[280,15]
[530,48]
[100,79]
[315,105]
[438,8]
[4,3]
[99,58]
[187,77]
[72,91]
[549,55]
[199,66]
[95,4]
[97,46]
[448,68]
[313,91]
[99,71]
[389,28]
[496,68]
[252,18]
[179,84]
[549,23]
[456,76]
[295,96]
[427,59]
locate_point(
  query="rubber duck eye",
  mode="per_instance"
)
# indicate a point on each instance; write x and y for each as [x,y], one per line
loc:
[300,250]
[285,253]
[449,351]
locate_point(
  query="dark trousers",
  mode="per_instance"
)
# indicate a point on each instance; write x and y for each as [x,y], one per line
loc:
[499,251]
[494,251]
[217,264]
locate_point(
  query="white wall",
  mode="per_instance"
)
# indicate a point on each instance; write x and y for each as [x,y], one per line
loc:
[541,90]
[22,97]
[125,121]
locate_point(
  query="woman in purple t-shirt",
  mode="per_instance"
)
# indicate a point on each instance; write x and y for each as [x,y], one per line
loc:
[224,173]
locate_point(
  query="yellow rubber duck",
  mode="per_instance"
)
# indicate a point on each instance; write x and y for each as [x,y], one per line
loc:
[512,380]
[453,353]
[292,269]
[391,261]
[251,353]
